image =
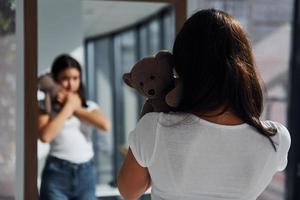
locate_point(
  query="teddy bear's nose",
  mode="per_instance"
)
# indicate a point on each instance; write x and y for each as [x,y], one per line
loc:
[151,92]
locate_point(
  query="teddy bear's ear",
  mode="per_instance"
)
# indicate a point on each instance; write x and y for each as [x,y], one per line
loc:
[46,82]
[127,79]
[166,56]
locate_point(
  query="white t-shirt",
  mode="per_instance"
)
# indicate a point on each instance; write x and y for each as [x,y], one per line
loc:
[73,142]
[189,158]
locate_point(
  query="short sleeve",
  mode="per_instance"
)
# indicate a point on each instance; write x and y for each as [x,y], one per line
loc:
[284,143]
[42,106]
[91,105]
[142,140]
[41,101]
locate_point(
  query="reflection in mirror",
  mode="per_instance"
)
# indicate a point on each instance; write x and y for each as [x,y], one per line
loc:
[106,38]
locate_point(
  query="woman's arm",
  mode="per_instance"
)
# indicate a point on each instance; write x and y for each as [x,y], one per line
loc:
[95,117]
[133,179]
[49,127]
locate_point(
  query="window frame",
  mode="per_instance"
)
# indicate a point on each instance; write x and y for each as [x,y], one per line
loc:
[30,109]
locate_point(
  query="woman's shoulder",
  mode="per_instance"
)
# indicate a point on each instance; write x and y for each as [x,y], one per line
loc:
[153,119]
[280,129]
[273,124]
[148,120]
[91,105]
[176,119]
[282,137]
[282,140]
[167,119]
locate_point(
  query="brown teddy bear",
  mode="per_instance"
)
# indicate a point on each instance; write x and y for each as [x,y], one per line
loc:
[51,89]
[153,78]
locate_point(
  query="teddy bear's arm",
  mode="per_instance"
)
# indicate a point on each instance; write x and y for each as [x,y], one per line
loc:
[147,107]
[173,98]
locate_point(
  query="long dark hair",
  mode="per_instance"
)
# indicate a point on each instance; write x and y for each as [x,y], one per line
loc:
[63,62]
[213,57]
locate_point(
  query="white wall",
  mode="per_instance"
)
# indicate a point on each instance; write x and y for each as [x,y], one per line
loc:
[59,31]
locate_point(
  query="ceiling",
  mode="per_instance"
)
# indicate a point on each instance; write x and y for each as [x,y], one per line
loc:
[100,17]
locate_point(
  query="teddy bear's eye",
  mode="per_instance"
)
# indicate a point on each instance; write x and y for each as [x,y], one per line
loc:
[152,77]
[141,83]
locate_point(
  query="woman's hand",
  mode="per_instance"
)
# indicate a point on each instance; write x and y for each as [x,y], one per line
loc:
[73,101]
[62,97]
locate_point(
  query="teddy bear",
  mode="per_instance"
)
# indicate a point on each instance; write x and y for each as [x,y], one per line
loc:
[153,78]
[51,89]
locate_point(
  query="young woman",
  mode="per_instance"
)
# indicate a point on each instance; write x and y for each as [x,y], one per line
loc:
[69,172]
[214,146]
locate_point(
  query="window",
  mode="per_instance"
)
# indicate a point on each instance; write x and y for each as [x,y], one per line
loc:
[108,58]
[103,95]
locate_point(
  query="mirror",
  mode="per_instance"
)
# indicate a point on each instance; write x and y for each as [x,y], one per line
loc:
[106,38]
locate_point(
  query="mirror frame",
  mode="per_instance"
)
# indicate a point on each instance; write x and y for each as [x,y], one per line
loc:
[30,100]
[30,86]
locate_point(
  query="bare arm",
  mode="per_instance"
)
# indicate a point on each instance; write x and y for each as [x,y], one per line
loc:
[48,128]
[95,118]
[133,179]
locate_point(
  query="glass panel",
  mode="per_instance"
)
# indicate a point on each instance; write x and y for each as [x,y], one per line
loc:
[239,9]
[168,30]
[154,37]
[131,106]
[271,41]
[8,71]
[103,83]
[144,47]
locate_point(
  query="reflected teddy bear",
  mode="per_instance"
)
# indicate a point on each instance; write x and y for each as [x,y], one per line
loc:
[51,89]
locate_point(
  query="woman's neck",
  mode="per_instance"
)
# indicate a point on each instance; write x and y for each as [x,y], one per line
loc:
[225,118]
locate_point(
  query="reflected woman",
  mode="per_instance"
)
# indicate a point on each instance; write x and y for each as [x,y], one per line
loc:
[70,172]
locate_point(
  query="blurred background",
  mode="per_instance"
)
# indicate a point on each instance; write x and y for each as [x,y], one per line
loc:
[107,38]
